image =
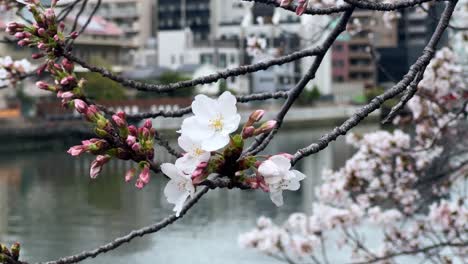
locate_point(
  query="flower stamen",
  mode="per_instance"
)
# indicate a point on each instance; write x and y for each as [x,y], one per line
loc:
[217,123]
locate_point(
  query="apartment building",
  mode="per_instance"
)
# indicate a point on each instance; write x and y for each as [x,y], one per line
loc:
[181,14]
[352,60]
[133,17]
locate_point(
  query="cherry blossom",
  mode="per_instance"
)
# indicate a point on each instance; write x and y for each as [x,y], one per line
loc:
[193,157]
[213,121]
[279,176]
[179,188]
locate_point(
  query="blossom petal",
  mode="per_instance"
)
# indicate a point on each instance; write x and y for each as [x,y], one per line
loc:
[292,185]
[283,163]
[202,107]
[187,164]
[179,204]
[227,103]
[231,124]
[217,141]
[195,130]
[170,170]
[173,192]
[186,143]
[277,198]
[268,169]
[299,175]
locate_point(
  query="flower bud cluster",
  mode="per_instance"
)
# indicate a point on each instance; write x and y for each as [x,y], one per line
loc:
[46,33]
[118,140]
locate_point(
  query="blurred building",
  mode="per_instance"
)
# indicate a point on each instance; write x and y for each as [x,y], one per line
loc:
[181,14]
[352,59]
[178,51]
[135,19]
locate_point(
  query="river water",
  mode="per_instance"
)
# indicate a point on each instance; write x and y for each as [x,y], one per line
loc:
[49,205]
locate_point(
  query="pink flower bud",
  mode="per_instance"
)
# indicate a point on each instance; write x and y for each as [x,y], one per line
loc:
[119,121]
[80,106]
[257,115]
[139,184]
[74,35]
[67,65]
[23,43]
[146,132]
[61,26]
[49,14]
[148,124]
[136,147]
[197,176]
[97,164]
[248,132]
[19,35]
[42,46]
[133,130]
[43,85]
[91,113]
[66,95]
[41,69]
[131,140]
[145,175]
[302,7]
[36,56]
[130,174]
[265,127]
[41,32]
[77,150]
[202,165]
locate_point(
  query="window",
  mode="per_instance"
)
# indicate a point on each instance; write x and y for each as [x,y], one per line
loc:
[206,58]
[338,47]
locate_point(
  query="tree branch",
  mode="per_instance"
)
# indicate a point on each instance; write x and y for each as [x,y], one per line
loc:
[354,120]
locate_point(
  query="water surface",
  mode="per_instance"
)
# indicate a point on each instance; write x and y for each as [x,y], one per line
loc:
[49,205]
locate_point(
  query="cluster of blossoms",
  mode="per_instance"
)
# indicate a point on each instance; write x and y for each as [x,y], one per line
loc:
[10,255]
[441,92]
[12,71]
[210,148]
[383,183]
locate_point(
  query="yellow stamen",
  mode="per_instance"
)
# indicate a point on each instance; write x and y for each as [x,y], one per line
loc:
[198,152]
[217,123]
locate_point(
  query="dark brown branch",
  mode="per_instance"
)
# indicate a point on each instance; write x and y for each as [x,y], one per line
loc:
[409,93]
[378,6]
[160,88]
[187,110]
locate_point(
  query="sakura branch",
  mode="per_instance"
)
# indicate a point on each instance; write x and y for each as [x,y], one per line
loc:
[388,166]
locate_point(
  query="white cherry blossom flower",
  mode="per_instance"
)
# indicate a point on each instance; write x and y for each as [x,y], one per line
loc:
[213,122]
[193,157]
[179,188]
[279,176]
